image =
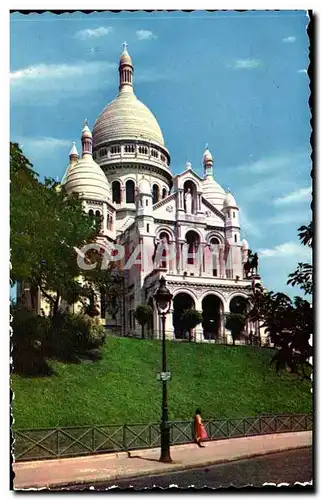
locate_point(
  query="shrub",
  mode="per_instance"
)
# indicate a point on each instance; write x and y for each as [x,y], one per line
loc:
[190,319]
[97,336]
[144,315]
[235,323]
[73,335]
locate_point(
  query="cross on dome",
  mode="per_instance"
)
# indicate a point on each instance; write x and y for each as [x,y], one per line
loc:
[124,45]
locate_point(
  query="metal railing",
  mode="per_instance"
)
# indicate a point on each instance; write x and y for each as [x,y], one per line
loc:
[36,444]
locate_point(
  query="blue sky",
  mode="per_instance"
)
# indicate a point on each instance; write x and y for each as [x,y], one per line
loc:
[236,81]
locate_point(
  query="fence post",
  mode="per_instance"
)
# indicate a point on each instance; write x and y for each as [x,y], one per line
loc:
[57,442]
[124,438]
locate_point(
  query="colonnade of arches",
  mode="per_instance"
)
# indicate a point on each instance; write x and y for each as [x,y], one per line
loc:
[157,192]
[213,316]
[191,256]
[97,214]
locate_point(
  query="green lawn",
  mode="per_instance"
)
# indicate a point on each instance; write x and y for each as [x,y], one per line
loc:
[122,388]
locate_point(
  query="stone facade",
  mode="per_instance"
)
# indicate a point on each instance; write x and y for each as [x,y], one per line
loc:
[184,227]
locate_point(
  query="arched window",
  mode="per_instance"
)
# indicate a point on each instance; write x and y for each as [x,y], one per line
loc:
[91,213]
[130,188]
[164,193]
[164,238]
[116,191]
[155,193]
[193,241]
[98,213]
[214,242]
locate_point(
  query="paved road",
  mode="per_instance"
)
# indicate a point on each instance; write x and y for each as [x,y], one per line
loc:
[285,467]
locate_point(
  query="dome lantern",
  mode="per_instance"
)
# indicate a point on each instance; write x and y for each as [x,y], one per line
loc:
[87,140]
[207,161]
[126,71]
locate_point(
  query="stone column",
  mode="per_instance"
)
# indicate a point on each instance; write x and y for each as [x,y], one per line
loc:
[198,334]
[198,203]
[226,332]
[123,198]
[169,330]
[180,258]
[172,257]
[105,218]
[180,200]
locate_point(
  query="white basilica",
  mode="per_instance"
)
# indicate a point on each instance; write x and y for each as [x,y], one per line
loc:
[184,227]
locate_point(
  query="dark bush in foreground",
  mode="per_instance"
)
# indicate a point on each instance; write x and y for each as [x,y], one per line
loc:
[73,335]
[29,339]
[64,337]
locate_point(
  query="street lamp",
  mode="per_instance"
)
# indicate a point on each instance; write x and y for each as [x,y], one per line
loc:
[119,278]
[163,299]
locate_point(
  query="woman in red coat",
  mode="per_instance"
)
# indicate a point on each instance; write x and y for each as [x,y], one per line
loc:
[200,431]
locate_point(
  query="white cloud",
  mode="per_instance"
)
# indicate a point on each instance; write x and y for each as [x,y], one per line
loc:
[289,218]
[42,143]
[145,35]
[57,71]
[46,84]
[268,164]
[288,249]
[95,33]
[302,194]
[289,39]
[246,64]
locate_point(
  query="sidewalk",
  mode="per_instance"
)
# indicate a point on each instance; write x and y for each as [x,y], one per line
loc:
[110,467]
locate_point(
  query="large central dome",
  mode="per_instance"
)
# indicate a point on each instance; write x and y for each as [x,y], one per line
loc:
[126,117]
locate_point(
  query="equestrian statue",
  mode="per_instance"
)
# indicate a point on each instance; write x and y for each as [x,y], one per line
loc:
[251,264]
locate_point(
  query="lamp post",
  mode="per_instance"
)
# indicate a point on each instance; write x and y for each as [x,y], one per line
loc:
[163,299]
[119,278]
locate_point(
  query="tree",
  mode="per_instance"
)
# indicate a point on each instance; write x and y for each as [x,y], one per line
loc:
[25,197]
[271,310]
[143,314]
[235,322]
[303,274]
[190,319]
[46,228]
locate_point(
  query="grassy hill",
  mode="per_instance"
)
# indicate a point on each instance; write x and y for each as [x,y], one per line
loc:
[122,388]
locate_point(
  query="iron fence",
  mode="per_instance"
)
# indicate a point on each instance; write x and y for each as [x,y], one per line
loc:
[35,444]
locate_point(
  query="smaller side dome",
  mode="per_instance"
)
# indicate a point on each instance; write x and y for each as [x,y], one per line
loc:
[144,187]
[245,244]
[229,201]
[207,157]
